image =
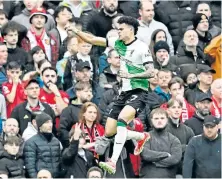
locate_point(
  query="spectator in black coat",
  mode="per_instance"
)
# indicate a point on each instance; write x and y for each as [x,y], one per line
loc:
[12,160]
[42,151]
[177,16]
[203,104]
[23,112]
[203,155]
[70,115]
[129,8]
[77,160]
[188,51]
[205,79]
[10,32]
[162,152]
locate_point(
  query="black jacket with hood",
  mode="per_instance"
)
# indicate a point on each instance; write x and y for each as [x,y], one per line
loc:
[68,117]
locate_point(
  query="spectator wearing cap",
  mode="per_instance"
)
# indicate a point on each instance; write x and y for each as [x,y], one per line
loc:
[23,17]
[13,89]
[202,104]
[204,8]
[23,112]
[148,26]
[216,90]
[214,50]
[188,51]
[83,74]
[203,154]
[50,94]
[42,151]
[201,26]
[38,36]
[205,79]
[162,57]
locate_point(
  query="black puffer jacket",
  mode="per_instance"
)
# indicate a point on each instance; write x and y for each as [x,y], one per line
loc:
[41,153]
[177,17]
[14,165]
[69,116]
[129,8]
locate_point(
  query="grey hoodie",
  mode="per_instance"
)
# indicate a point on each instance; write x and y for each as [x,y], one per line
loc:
[23,19]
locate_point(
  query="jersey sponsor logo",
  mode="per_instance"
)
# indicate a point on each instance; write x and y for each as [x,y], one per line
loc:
[5,89]
[43,98]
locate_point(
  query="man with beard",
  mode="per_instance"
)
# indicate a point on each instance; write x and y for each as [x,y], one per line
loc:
[23,112]
[70,115]
[50,94]
[10,128]
[203,154]
[162,152]
[42,151]
[203,104]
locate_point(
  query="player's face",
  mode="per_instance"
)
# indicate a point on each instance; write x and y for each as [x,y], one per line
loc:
[175,110]
[46,127]
[32,91]
[12,37]
[84,48]
[90,114]
[210,131]
[159,121]
[11,127]
[191,38]
[203,25]
[85,95]
[124,32]
[38,21]
[176,90]
[49,76]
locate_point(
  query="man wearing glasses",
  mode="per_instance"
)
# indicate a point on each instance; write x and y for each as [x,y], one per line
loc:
[24,111]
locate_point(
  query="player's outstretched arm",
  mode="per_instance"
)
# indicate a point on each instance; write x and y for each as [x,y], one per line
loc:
[98,41]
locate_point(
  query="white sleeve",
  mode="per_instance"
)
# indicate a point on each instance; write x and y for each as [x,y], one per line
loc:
[146,55]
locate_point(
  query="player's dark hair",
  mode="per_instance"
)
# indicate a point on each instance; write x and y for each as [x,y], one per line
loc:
[49,68]
[13,65]
[11,26]
[129,21]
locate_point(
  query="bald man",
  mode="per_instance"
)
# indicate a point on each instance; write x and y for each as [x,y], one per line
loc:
[44,174]
[10,128]
[216,90]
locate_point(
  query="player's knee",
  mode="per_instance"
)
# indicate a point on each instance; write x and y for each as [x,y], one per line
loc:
[128,113]
[110,132]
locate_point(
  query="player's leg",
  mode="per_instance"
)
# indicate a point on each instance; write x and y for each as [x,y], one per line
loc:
[110,128]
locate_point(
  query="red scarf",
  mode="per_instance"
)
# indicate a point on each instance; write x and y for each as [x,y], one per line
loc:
[215,109]
[39,37]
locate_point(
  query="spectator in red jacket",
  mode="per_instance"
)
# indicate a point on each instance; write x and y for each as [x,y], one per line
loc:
[89,117]
[216,90]
[176,86]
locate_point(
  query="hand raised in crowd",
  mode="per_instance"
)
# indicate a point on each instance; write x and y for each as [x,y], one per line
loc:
[77,132]
[53,88]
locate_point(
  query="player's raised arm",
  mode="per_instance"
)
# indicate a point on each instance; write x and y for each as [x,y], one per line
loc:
[89,38]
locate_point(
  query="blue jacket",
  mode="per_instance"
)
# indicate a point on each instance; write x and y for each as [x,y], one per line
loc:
[165,96]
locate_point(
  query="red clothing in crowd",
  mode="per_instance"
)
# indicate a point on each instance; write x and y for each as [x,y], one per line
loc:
[19,95]
[216,109]
[187,112]
[49,98]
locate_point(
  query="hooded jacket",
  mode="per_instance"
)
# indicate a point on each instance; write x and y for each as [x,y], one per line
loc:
[23,19]
[68,117]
